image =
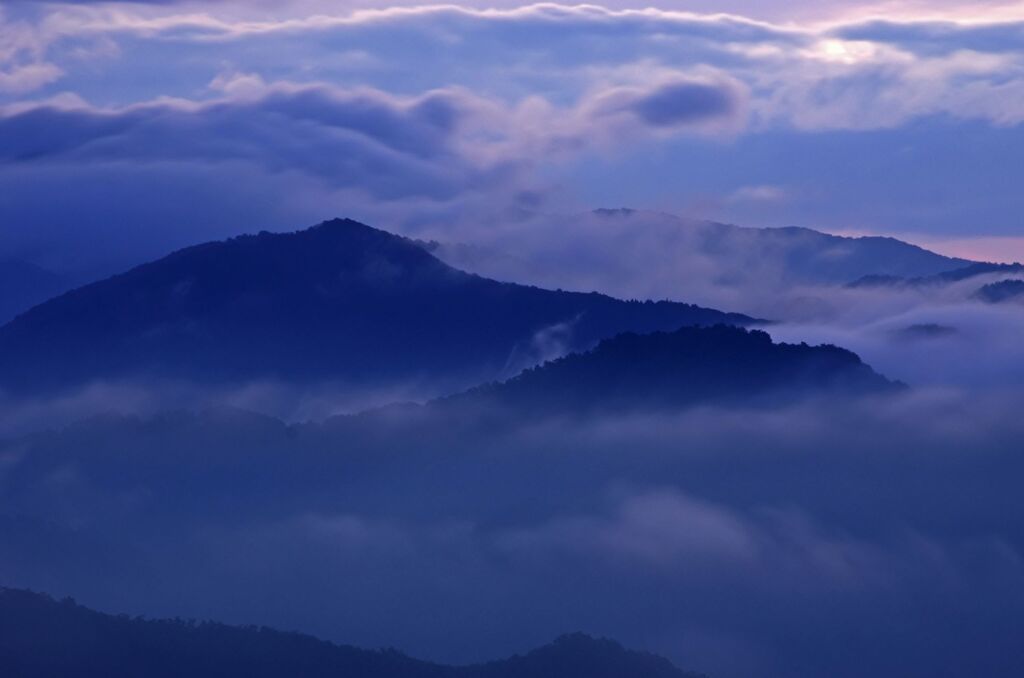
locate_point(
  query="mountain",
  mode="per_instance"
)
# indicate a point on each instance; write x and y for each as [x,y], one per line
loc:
[812,257]
[117,501]
[656,255]
[23,285]
[340,302]
[1004,290]
[690,366]
[44,638]
[956,275]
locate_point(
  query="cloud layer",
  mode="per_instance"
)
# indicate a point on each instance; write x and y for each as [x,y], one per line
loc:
[446,148]
[795,542]
[411,115]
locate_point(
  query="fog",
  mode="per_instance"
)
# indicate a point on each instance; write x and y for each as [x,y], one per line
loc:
[879,537]
[780,527]
[844,537]
[937,335]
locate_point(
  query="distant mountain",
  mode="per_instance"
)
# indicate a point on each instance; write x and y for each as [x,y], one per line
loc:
[1004,290]
[23,285]
[656,255]
[44,638]
[808,256]
[945,278]
[339,302]
[693,365]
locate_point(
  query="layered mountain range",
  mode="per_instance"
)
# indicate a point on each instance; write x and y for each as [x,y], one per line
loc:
[339,302]
[399,514]
[702,259]
[956,275]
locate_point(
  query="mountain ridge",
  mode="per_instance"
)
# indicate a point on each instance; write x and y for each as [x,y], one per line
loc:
[24,285]
[1011,289]
[45,637]
[972,270]
[340,300]
[688,366]
[764,272]
[826,251]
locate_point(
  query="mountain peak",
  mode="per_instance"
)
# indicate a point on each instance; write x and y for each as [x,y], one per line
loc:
[325,249]
[672,370]
[341,228]
[578,654]
[340,302]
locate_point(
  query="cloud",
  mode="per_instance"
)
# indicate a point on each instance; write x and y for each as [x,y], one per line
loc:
[666,530]
[933,38]
[361,151]
[346,135]
[762,194]
[779,535]
[543,107]
[459,539]
[794,277]
[388,145]
[841,75]
[28,77]
[676,104]
[681,103]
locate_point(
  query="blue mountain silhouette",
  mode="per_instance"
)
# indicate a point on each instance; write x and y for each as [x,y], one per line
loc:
[692,365]
[339,302]
[1004,290]
[945,278]
[44,638]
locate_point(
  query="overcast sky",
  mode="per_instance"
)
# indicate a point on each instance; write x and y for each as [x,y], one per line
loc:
[130,128]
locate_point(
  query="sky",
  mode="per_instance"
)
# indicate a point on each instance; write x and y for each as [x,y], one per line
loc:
[129,129]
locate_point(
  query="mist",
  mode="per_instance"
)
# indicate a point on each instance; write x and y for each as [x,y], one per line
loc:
[773,541]
[452,328]
[938,334]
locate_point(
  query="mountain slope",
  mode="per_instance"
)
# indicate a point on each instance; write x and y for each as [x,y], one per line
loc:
[650,254]
[44,638]
[693,365]
[1002,291]
[956,275]
[809,256]
[23,285]
[337,302]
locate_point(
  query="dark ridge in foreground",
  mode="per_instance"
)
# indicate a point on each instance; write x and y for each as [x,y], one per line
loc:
[693,365]
[340,302]
[44,638]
